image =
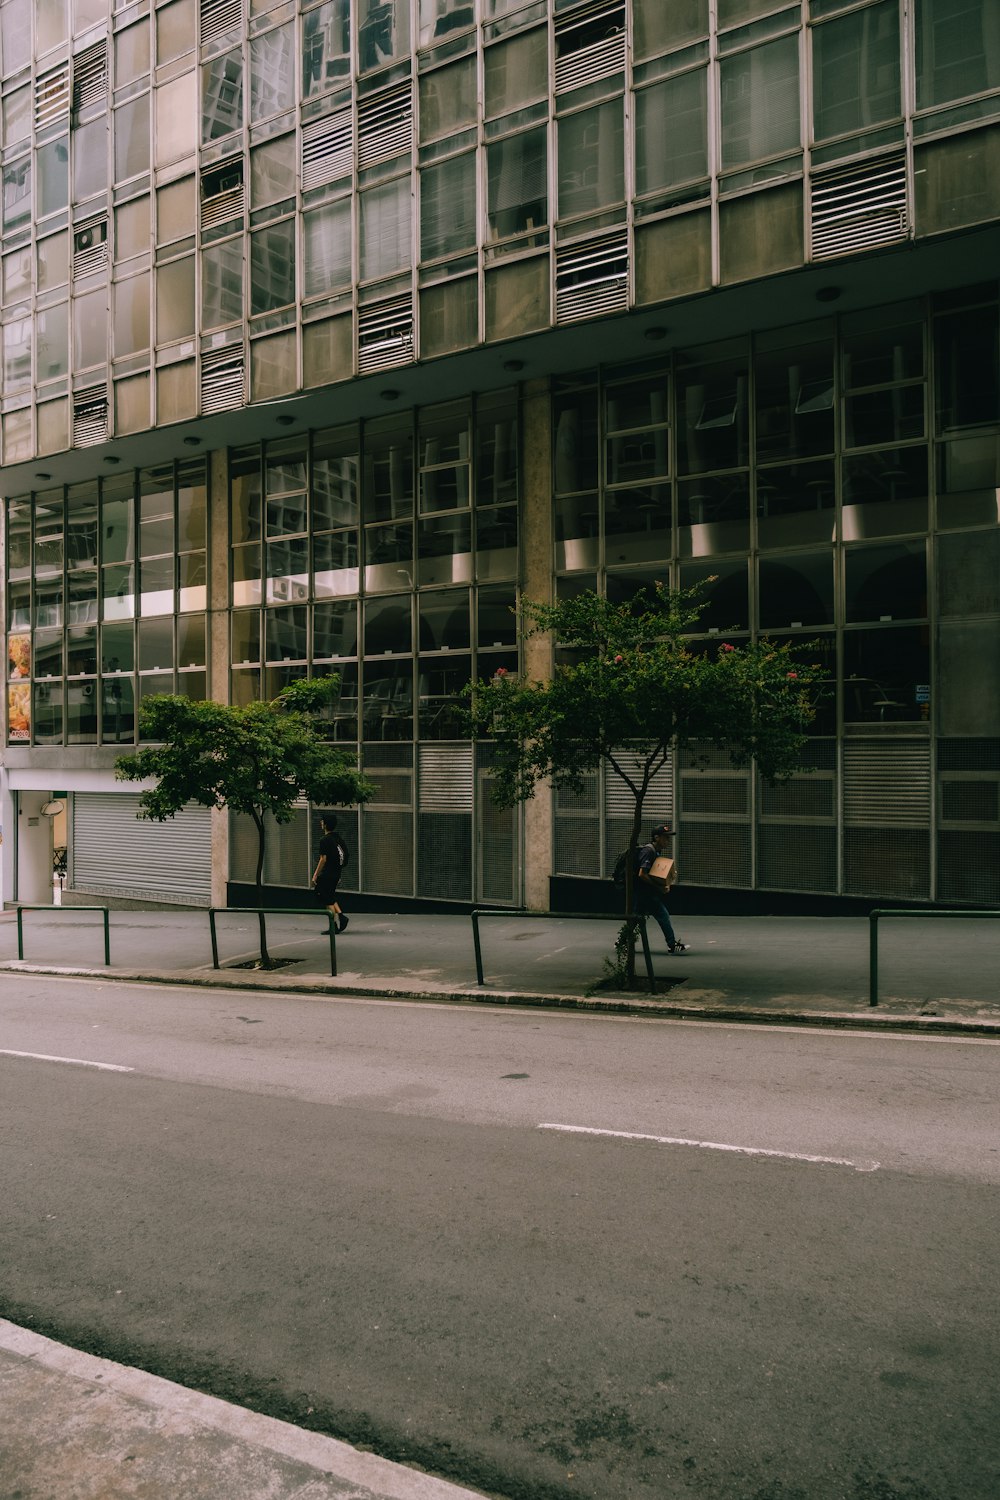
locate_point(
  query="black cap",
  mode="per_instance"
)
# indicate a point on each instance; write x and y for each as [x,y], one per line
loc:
[662,830]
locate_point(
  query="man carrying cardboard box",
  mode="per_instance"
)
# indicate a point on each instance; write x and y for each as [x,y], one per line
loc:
[656,873]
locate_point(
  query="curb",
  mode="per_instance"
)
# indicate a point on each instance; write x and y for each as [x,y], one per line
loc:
[329,1457]
[866,1020]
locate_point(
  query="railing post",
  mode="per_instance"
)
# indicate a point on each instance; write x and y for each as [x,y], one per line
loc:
[479,951]
[333,945]
[647,955]
[873,957]
[107,940]
[215,937]
[20,934]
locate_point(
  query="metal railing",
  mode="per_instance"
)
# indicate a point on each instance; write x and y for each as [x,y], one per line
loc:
[273,911]
[514,914]
[28,907]
[873,921]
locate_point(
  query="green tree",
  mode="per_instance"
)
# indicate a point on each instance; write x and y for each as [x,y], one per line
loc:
[628,679]
[257,760]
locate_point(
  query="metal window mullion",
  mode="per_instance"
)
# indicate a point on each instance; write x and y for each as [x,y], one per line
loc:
[713,102]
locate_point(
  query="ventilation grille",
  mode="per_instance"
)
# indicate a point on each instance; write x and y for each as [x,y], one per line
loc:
[658,803]
[445,783]
[385,126]
[90,416]
[90,77]
[52,96]
[385,335]
[90,247]
[327,150]
[887,783]
[590,45]
[223,194]
[592,279]
[219,17]
[222,374]
[859,208]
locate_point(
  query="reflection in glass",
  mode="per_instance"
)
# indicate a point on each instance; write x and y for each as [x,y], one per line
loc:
[713,427]
[192,592]
[335,564]
[496,618]
[496,542]
[222,283]
[327,246]
[335,630]
[967,356]
[637,524]
[334,478]
[82,597]
[713,514]
[47,654]
[760,102]
[517,184]
[272,267]
[221,96]
[156,645]
[795,400]
[444,549]
[968,483]
[245,629]
[156,586]
[444,620]
[47,713]
[576,441]
[286,633]
[119,592]
[272,72]
[885,493]
[383,32]
[795,503]
[326,46]
[577,523]
[388,700]
[117,648]
[81,713]
[384,229]
[591,159]
[246,574]
[287,571]
[439,702]
[388,471]
[117,710]
[671,133]
[388,626]
[727,597]
[448,207]
[856,71]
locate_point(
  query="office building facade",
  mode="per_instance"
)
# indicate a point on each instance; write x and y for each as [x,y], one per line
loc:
[330,330]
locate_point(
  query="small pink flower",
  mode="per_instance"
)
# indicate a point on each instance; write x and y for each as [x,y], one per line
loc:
[619,660]
[500,672]
[792,675]
[726,647]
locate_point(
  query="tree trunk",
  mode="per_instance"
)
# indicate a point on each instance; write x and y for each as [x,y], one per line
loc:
[630,892]
[265,958]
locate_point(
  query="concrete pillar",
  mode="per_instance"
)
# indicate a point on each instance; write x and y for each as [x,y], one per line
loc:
[536,583]
[218,641]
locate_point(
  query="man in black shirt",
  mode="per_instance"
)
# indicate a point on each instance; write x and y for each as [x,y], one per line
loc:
[330,867]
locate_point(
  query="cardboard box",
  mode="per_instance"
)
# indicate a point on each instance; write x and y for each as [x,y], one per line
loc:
[663,871]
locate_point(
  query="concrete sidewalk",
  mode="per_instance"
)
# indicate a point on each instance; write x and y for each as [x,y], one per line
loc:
[74,1427]
[933,973]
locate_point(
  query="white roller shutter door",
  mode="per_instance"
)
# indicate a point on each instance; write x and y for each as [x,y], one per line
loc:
[115,853]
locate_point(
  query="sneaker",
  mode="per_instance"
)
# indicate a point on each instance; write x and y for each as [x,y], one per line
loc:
[679,948]
[343,922]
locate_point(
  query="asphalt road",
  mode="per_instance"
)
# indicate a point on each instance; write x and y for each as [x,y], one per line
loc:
[356,1215]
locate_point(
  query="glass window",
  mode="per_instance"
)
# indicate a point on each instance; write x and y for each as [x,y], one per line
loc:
[967,357]
[882,356]
[287,571]
[958,49]
[385,229]
[388,700]
[156,645]
[388,557]
[448,100]
[335,564]
[132,228]
[90,159]
[53,176]
[51,23]
[17,340]
[192,501]
[496,618]
[388,459]
[444,549]
[335,630]
[884,493]
[856,71]
[222,284]
[795,400]
[118,711]
[131,327]
[131,53]
[969,481]
[17,192]
[383,32]
[245,495]
[175,211]
[760,102]
[326,46]
[517,183]
[81,713]
[516,72]
[286,633]
[17,274]
[132,138]
[156,590]
[81,645]
[87,13]
[576,451]
[444,620]
[334,478]
[326,248]
[156,513]
[795,589]
[17,116]
[726,595]
[637,523]
[388,626]
[671,133]
[221,96]
[175,300]
[885,583]
[795,503]
[448,207]
[660,28]
[15,35]
[712,414]
[117,648]
[496,450]
[176,119]
[440,703]
[272,267]
[272,171]
[968,574]
[272,72]
[439,19]
[90,330]
[886,675]
[591,159]
[175,29]
[53,261]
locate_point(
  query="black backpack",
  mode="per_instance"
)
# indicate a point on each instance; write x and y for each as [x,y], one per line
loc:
[621,864]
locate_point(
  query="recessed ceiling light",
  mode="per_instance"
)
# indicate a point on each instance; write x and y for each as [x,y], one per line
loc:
[828,294]
[42,476]
[655,334]
[285,420]
[112,458]
[513,365]
[389,395]
[193,442]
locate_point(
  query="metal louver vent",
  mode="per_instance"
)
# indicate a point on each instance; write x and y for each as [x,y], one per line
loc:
[327,150]
[887,782]
[859,207]
[52,96]
[222,380]
[385,335]
[592,278]
[445,778]
[90,77]
[659,800]
[385,125]
[223,194]
[90,416]
[90,247]
[218,17]
[590,44]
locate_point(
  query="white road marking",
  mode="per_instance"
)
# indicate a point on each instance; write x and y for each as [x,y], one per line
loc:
[78,1062]
[675,1140]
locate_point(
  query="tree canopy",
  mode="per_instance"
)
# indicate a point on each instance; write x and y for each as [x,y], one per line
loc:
[258,759]
[628,677]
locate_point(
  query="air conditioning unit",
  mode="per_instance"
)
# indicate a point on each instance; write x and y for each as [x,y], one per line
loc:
[84,239]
